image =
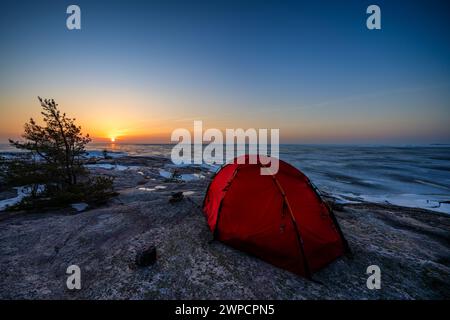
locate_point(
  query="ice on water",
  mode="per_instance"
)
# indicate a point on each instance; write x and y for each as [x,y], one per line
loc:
[412,176]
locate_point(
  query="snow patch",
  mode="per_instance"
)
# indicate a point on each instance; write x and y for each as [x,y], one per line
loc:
[107,166]
[185,176]
[146,189]
[165,174]
[22,192]
[192,176]
[209,167]
[403,200]
[100,154]
[81,206]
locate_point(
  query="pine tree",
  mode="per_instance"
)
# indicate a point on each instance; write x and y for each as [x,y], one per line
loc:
[54,159]
[59,143]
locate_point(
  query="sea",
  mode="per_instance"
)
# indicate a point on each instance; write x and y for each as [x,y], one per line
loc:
[416,176]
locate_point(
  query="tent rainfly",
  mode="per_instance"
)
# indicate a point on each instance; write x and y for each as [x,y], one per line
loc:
[279,218]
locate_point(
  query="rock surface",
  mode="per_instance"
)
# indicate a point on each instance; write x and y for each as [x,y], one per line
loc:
[147,257]
[411,246]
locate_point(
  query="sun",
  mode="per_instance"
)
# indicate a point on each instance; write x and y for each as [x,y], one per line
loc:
[113,139]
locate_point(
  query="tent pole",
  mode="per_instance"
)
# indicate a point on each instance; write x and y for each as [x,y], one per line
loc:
[297,230]
[333,218]
[221,201]
[209,184]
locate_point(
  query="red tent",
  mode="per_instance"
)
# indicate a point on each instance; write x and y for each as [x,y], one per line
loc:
[279,218]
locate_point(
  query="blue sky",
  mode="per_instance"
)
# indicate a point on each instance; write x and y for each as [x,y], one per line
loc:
[140,69]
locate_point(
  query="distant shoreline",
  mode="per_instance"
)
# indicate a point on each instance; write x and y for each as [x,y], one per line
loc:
[368,145]
[417,178]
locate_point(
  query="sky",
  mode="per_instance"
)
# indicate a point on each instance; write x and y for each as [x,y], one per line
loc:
[137,70]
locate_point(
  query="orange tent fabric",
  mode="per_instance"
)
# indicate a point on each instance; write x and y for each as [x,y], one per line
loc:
[279,218]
